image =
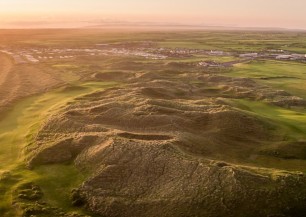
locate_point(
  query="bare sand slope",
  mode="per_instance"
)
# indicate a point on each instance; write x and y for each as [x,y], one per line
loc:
[17,81]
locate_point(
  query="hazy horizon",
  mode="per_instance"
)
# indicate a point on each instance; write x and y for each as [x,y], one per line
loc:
[78,13]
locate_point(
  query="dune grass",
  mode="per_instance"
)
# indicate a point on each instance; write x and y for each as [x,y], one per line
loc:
[17,127]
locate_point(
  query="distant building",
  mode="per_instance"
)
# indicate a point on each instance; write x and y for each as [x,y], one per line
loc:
[203,64]
[276,51]
[210,64]
[31,59]
[291,57]
[298,56]
[251,55]
[216,52]
[283,57]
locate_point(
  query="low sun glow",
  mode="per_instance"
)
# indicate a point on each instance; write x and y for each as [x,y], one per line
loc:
[236,13]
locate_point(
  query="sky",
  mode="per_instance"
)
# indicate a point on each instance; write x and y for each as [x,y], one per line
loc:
[230,13]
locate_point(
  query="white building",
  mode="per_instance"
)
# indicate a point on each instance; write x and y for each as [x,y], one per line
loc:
[276,51]
[298,56]
[251,55]
[291,57]
[283,57]
[216,52]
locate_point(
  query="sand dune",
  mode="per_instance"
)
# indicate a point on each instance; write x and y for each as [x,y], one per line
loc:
[170,130]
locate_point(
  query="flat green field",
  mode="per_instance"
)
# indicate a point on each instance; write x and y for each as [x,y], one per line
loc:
[242,41]
[237,41]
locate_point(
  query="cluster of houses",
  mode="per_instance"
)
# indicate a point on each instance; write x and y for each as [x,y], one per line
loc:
[33,56]
[210,64]
[291,57]
[145,51]
[17,58]
[249,55]
[37,55]
[30,58]
[278,56]
[217,53]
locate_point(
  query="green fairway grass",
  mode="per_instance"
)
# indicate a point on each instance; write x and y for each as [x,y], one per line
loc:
[291,122]
[285,75]
[17,127]
[290,127]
